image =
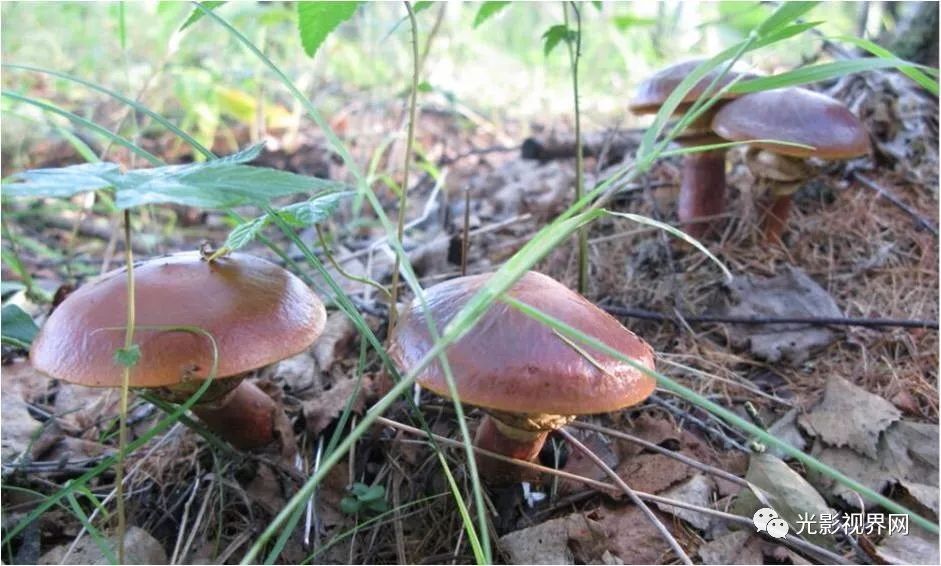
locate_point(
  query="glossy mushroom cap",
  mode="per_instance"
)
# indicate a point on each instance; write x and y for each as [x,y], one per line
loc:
[794,115]
[652,93]
[257,312]
[511,363]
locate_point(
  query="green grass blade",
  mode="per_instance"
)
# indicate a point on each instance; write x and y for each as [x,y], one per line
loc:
[785,13]
[911,72]
[677,233]
[100,541]
[721,412]
[821,72]
[105,464]
[408,274]
[104,132]
[462,509]
[137,106]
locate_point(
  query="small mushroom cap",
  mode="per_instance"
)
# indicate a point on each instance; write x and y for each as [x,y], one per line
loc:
[652,93]
[794,115]
[512,363]
[257,312]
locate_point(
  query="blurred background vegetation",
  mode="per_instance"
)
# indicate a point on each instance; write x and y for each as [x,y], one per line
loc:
[203,80]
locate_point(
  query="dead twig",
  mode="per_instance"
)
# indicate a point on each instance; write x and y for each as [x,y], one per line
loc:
[884,193]
[670,453]
[631,494]
[790,541]
[811,320]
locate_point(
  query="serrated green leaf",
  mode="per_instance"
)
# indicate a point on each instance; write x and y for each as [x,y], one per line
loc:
[196,14]
[127,357]
[425,86]
[220,183]
[18,327]
[212,185]
[246,155]
[556,34]
[299,215]
[315,21]
[487,10]
[421,6]
[245,233]
[61,182]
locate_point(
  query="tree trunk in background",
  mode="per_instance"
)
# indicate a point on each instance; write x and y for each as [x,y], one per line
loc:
[916,35]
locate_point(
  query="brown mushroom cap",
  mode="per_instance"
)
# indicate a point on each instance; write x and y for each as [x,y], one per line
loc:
[257,312]
[512,363]
[794,115]
[652,93]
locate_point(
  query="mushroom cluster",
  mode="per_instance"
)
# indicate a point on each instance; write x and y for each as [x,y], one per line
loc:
[256,312]
[791,115]
[702,184]
[527,378]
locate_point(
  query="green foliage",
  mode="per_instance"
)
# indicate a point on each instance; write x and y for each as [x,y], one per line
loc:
[315,21]
[18,327]
[364,499]
[127,357]
[61,182]
[421,6]
[556,34]
[299,215]
[220,183]
[627,21]
[825,71]
[487,10]
[913,73]
[197,14]
[786,13]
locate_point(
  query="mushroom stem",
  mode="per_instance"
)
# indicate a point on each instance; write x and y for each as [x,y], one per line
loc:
[501,438]
[775,217]
[702,190]
[246,417]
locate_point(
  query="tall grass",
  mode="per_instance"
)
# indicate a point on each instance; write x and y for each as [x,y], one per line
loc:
[776,28]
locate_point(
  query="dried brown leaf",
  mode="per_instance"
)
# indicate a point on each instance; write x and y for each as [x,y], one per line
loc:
[850,416]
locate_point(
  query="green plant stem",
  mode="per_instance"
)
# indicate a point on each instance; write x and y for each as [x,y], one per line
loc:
[343,272]
[125,385]
[20,267]
[575,52]
[410,141]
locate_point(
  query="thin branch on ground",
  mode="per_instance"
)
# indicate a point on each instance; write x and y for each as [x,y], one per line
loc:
[630,312]
[631,494]
[884,193]
[669,453]
[613,490]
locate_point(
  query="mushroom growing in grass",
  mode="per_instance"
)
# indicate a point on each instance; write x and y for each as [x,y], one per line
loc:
[523,374]
[702,185]
[256,312]
[793,115]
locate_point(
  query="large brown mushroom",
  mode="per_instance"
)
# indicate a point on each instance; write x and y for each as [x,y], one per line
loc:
[527,378]
[794,115]
[702,188]
[256,312]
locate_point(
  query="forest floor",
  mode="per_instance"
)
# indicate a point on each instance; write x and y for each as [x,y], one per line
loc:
[861,398]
